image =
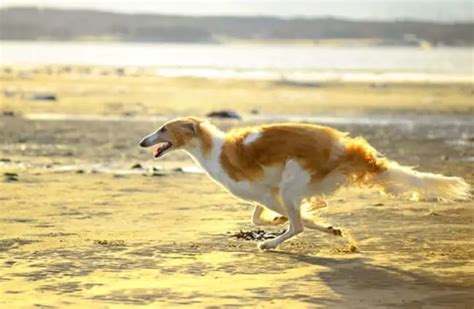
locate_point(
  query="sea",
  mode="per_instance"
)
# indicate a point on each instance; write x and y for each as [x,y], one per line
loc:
[302,62]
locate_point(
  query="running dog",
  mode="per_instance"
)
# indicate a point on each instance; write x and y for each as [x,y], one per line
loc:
[282,166]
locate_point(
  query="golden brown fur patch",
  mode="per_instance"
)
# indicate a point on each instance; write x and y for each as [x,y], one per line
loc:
[310,145]
[205,136]
[178,132]
[361,161]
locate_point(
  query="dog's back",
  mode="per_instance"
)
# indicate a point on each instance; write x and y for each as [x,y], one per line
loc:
[247,151]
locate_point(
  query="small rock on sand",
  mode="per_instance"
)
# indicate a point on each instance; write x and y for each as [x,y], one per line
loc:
[8,113]
[44,97]
[10,177]
[157,174]
[295,83]
[224,114]
[136,166]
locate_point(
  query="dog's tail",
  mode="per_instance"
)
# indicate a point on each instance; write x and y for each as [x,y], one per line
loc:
[369,168]
[402,181]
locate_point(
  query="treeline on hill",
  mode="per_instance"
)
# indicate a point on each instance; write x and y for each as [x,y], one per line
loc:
[63,25]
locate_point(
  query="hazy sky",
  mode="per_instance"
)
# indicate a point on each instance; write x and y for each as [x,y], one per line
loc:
[441,10]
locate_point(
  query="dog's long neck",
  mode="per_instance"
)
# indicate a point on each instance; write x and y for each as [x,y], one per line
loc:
[207,152]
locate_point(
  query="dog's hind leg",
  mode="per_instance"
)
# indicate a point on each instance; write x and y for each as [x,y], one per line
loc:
[325,186]
[309,217]
[323,227]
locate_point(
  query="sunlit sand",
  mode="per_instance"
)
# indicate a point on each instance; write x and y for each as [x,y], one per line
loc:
[90,220]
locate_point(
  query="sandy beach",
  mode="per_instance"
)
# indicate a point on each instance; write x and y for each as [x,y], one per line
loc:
[91,220]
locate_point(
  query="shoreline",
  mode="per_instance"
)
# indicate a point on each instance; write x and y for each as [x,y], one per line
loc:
[296,76]
[323,43]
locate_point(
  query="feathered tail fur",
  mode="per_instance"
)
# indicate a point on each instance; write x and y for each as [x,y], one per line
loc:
[367,167]
[400,180]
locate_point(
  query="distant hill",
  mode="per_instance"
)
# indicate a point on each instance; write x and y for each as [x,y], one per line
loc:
[66,25]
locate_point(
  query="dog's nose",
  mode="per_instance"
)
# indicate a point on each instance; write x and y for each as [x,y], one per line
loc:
[143,143]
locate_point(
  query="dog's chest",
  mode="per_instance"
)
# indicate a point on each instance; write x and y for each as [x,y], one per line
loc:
[247,190]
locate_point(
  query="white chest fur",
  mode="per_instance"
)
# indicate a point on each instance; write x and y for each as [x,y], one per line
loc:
[247,190]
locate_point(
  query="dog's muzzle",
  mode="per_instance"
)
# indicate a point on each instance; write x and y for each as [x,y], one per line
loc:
[149,140]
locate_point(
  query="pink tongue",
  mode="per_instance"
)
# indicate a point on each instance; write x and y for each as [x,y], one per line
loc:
[157,152]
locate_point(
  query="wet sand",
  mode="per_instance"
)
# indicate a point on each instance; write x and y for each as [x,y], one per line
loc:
[101,233]
[122,91]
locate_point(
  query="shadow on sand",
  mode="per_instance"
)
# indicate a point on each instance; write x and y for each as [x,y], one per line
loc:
[359,282]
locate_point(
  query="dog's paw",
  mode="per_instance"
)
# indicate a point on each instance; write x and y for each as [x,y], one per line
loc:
[266,245]
[279,220]
[334,231]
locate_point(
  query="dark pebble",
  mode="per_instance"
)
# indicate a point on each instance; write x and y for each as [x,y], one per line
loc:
[224,114]
[136,166]
[43,97]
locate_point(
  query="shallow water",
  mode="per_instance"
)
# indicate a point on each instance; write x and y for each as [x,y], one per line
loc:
[369,120]
[291,62]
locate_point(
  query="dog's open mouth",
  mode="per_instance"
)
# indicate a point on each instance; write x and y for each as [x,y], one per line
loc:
[162,147]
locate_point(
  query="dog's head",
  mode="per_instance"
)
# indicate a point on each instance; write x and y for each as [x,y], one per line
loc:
[176,134]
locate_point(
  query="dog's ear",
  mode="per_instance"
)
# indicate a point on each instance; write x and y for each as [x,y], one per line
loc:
[190,126]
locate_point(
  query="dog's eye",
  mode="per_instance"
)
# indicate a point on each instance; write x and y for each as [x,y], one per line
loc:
[163,130]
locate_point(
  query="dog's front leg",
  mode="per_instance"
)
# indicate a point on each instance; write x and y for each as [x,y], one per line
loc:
[295,228]
[263,216]
[292,209]
[292,187]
